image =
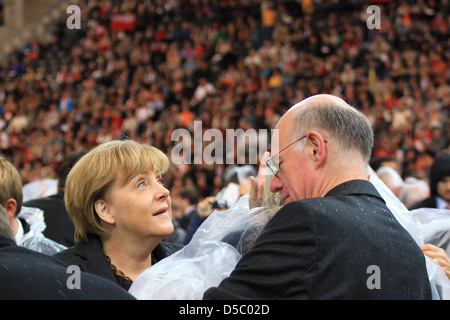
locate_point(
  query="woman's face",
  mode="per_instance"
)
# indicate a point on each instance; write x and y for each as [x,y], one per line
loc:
[443,188]
[142,207]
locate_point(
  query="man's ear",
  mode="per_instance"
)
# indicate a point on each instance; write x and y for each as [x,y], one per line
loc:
[318,148]
[103,211]
[10,208]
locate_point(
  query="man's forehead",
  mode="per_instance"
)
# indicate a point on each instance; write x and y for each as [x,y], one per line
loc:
[283,125]
[281,133]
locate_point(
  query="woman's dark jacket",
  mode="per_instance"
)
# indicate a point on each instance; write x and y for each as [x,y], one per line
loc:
[89,256]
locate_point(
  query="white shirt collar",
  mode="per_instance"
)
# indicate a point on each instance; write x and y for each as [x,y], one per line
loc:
[441,203]
[20,233]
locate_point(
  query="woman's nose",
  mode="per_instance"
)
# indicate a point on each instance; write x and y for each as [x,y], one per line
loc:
[162,193]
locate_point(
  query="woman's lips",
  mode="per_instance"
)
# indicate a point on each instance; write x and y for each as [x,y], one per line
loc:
[161,211]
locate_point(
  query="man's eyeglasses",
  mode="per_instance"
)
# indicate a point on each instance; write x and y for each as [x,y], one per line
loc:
[273,163]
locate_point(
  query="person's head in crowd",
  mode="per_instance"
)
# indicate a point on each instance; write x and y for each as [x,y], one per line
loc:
[187,201]
[116,192]
[11,195]
[383,161]
[413,191]
[66,165]
[387,170]
[190,196]
[322,142]
[440,177]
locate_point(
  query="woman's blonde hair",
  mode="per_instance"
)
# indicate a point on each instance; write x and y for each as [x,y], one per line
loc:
[94,175]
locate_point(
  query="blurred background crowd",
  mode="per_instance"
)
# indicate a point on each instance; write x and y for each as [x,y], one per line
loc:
[141,69]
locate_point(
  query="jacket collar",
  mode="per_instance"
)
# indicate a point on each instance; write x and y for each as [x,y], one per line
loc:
[355,187]
[93,257]
[7,242]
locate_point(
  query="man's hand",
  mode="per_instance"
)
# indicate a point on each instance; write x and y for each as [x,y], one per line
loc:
[257,184]
[439,255]
[204,207]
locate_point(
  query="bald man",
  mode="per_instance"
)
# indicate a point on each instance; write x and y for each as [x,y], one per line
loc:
[334,238]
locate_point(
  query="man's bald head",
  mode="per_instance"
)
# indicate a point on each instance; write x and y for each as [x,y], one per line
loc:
[320,99]
[345,125]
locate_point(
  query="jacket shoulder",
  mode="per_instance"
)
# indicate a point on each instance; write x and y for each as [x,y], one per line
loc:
[426,203]
[165,249]
[68,256]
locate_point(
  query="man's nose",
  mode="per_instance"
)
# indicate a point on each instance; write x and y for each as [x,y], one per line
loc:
[276,185]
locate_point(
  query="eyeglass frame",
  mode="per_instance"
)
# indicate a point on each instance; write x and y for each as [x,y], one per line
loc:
[271,158]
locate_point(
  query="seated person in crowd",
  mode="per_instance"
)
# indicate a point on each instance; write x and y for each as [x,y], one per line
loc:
[27,224]
[439,184]
[335,230]
[121,211]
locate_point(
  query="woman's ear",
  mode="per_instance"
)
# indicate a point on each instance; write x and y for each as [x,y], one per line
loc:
[104,212]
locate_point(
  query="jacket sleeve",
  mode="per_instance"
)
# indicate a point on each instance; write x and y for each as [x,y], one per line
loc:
[282,263]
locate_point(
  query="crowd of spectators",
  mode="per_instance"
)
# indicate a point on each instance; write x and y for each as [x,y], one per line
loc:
[141,69]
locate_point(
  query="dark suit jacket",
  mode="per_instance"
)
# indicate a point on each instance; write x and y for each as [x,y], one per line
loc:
[429,202]
[89,256]
[323,248]
[30,275]
[59,227]
[195,222]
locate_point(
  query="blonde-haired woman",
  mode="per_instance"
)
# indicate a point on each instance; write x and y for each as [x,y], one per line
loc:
[120,209]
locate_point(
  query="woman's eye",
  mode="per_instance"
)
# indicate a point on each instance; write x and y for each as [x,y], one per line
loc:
[141,184]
